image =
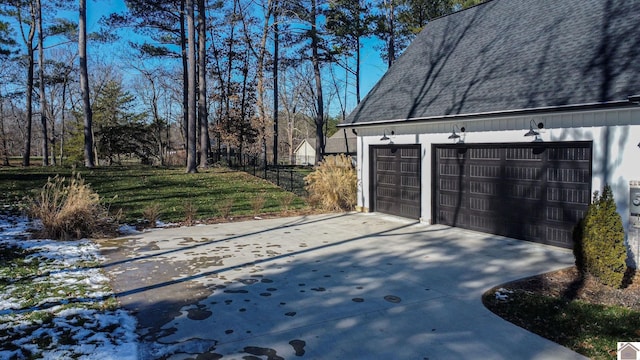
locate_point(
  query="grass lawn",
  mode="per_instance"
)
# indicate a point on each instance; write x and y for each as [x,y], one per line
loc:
[210,193]
[589,329]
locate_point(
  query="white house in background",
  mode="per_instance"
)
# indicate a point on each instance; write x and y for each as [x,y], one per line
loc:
[305,152]
[342,142]
[505,117]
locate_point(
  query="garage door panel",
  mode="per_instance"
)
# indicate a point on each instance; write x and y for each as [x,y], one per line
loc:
[396,189]
[536,192]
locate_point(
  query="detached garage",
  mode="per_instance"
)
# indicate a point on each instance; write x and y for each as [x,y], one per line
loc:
[505,118]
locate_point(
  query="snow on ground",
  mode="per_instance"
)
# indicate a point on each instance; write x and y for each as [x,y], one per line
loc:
[55,302]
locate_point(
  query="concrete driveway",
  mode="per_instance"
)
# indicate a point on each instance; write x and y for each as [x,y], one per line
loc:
[336,286]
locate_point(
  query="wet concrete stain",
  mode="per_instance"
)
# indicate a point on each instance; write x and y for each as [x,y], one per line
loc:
[208,356]
[272,289]
[259,351]
[358,300]
[152,246]
[266,281]
[392,299]
[199,313]
[241,291]
[319,289]
[228,332]
[265,294]
[208,261]
[298,346]
[291,313]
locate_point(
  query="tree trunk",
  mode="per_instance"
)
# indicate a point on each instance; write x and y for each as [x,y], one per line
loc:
[270,8]
[185,77]
[358,70]
[202,86]
[62,118]
[276,44]
[192,130]
[5,150]
[315,59]
[26,156]
[391,43]
[43,99]
[84,87]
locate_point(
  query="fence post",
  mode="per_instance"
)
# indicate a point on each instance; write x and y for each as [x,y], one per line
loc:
[291,180]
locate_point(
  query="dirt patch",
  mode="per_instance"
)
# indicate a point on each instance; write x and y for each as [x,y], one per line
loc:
[571,284]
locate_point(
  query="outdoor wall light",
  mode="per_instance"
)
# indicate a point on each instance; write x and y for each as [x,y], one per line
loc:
[453,133]
[384,135]
[532,132]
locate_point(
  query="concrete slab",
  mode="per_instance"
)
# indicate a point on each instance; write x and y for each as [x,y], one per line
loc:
[336,286]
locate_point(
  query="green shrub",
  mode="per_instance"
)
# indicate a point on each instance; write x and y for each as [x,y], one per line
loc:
[70,210]
[333,184]
[602,251]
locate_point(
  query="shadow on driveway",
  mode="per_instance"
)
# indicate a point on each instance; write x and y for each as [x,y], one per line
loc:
[337,286]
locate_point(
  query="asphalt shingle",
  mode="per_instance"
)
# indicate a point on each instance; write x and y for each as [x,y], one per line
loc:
[509,55]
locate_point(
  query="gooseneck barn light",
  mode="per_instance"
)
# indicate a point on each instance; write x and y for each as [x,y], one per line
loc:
[384,135]
[532,132]
[453,132]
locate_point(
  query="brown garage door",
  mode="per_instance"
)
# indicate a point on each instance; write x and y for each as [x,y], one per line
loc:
[535,192]
[395,188]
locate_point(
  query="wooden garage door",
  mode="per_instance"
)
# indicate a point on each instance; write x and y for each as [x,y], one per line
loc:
[396,180]
[535,192]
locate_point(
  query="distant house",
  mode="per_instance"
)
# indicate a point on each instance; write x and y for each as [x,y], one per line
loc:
[342,142]
[505,117]
[305,152]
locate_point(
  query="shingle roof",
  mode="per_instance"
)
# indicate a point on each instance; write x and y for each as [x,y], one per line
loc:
[342,142]
[510,55]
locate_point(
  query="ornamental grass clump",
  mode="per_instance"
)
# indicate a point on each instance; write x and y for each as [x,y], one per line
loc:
[332,186]
[69,210]
[601,250]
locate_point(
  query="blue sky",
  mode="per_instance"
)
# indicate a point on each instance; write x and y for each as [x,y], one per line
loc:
[372,66]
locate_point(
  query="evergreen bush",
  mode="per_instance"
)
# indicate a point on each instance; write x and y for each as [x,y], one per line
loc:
[602,251]
[332,185]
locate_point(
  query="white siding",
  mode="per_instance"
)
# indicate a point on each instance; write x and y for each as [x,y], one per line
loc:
[305,154]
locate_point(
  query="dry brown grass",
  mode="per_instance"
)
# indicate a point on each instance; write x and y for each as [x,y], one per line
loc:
[190,213]
[286,200]
[225,207]
[257,203]
[333,184]
[151,214]
[70,210]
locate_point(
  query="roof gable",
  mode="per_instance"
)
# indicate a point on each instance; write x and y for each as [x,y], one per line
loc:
[509,55]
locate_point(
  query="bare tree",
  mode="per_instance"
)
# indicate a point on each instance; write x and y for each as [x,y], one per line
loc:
[84,85]
[202,85]
[43,97]
[27,38]
[192,128]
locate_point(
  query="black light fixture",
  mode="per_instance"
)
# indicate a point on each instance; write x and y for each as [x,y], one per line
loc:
[453,132]
[532,132]
[384,135]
